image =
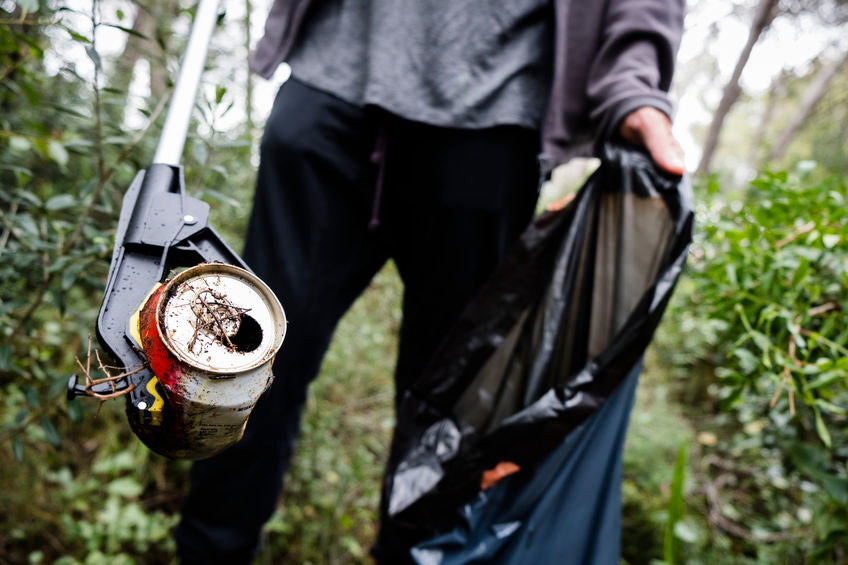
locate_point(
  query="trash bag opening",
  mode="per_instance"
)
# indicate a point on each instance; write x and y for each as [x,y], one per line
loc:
[550,337]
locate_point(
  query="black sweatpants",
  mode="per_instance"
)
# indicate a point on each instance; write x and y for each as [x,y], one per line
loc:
[450,203]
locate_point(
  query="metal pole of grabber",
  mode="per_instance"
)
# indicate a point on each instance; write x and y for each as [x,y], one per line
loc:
[172,140]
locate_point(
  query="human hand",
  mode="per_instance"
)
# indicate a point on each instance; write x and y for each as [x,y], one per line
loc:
[651,128]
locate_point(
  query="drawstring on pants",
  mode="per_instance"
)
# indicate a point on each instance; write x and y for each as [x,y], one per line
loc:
[378,157]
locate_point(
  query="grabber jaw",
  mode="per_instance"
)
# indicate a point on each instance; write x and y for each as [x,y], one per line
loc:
[160,228]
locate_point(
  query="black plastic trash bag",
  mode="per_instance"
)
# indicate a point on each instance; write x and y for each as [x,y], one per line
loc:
[562,322]
[567,511]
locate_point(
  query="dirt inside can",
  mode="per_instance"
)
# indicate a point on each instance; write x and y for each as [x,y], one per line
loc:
[216,317]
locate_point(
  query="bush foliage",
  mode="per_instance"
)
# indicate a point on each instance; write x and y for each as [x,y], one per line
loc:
[756,338]
[737,451]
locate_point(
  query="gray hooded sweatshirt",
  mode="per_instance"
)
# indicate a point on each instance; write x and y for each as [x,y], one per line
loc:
[609,58]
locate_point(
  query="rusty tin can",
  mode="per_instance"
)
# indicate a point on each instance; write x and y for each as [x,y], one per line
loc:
[210,335]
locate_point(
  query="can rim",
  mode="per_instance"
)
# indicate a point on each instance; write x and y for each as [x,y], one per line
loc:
[277,313]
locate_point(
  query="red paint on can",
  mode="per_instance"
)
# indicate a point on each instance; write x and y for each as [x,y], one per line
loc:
[170,439]
[163,364]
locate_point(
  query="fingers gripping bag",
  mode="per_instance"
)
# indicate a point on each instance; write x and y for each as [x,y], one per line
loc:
[558,328]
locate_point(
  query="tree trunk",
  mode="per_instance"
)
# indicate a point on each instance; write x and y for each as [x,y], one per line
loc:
[164,13]
[153,22]
[812,95]
[248,105]
[766,12]
[133,50]
[776,93]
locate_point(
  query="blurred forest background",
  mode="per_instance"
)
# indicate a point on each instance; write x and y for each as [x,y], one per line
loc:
[737,449]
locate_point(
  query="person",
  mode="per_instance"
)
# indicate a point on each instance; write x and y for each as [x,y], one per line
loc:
[412,130]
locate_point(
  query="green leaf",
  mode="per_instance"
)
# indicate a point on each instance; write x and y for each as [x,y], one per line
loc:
[127,487]
[123,460]
[5,356]
[761,340]
[232,144]
[78,37]
[35,47]
[79,144]
[812,237]
[761,184]
[830,240]
[71,274]
[117,140]
[220,170]
[29,197]
[801,272]
[19,144]
[671,547]
[821,429]
[76,114]
[75,411]
[823,363]
[748,362]
[813,461]
[32,397]
[793,329]
[50,432]
[21,173]
[200,152]
[218,195]
[836,487]
[685,532]
[27,5]
[827,378]
[18,449]
[730,270]
[830,407]
[58,298]
[127,30]
[60,202]
[21,416]
[728,401]
[57,152]
[27,223]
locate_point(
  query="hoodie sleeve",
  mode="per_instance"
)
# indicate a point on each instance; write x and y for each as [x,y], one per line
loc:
[281,28]
[635,62]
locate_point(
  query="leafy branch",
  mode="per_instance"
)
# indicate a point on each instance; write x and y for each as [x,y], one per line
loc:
[104,174]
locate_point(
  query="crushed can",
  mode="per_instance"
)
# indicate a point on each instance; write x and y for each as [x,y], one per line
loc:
[210,335]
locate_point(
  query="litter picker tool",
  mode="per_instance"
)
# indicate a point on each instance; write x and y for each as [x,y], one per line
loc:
[193,331]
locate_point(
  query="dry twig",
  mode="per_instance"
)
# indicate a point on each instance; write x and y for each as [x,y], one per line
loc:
[821,309]
[787,376]
[718,520]
[90,383]
[801,230]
